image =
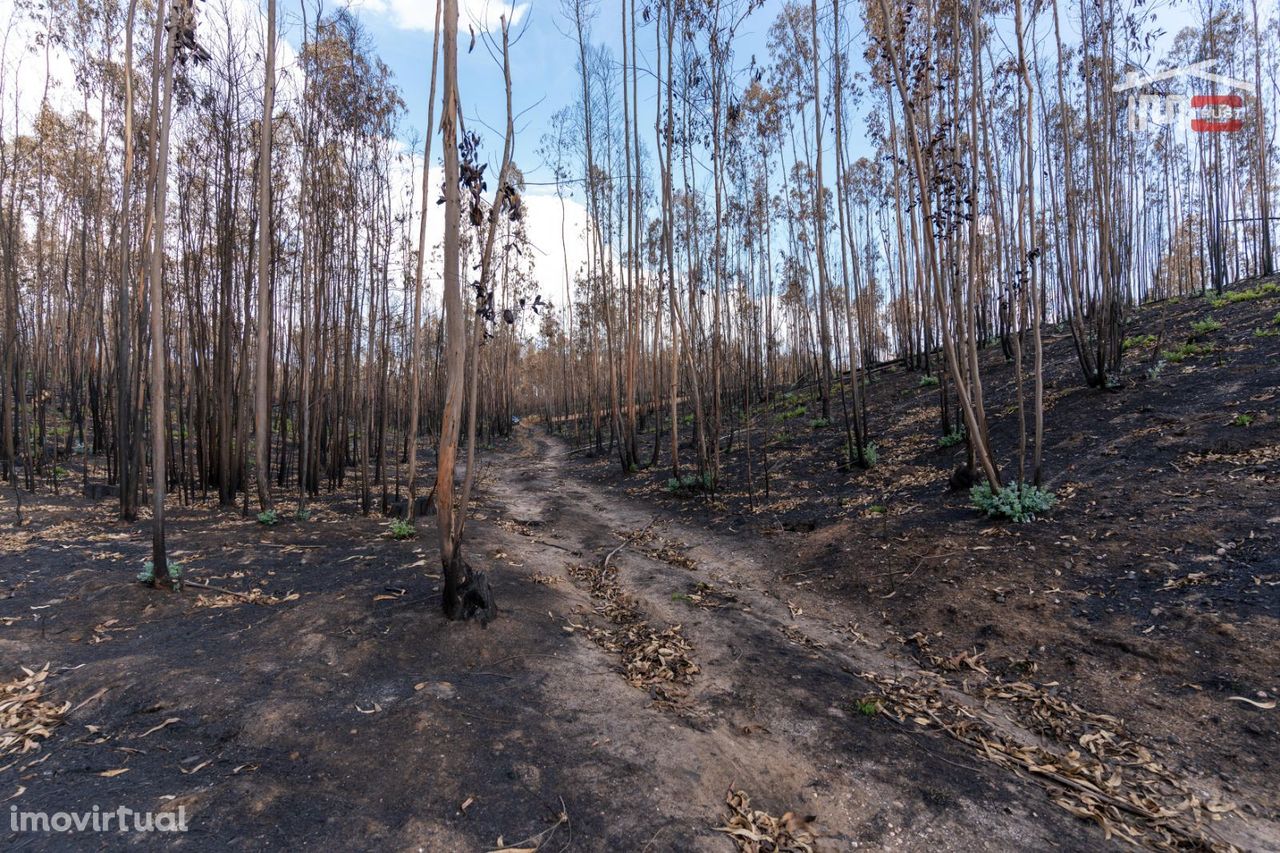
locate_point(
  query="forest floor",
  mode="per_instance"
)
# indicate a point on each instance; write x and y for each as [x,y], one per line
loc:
[862,648]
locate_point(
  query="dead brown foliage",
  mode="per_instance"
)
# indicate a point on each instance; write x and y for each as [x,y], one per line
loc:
[26,718]
[756,831]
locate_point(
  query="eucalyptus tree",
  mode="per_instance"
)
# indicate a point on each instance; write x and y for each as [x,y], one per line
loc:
[262,393]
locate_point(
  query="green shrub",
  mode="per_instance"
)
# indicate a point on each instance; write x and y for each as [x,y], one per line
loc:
[689,483]
[871,453]
[1205,326]
[819,423]
[59,471]
[174,571]
[952,438]
[1266,333]
[1139,342]
[302,514]
[269,518]
[1185,351]
[1231,297]
[1242,420]
[929,381]
[877,509]
[1019,502]
[398,528]
[798,411]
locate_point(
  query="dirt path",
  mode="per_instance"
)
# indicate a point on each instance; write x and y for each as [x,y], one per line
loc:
[350,716]
[774,706]
[767,712]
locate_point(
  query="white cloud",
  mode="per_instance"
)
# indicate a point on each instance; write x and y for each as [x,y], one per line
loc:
[23,84]
[543,225]
[27,75]
[26,78]
[544,218]
[420,14]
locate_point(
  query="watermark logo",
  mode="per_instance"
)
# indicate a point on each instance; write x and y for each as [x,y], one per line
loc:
[1202,113]
[119,819]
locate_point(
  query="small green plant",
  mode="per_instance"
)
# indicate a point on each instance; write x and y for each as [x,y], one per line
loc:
[60,472]
[680,596]
[1242,420]
[929,381]
[269,518]
[689,483]
[869,707]
[870,453]
[400,529]
[302,514]
[687,420]
[1185,351]
[174,571]
[1019,502]
[1139,342]
[1205,326]
[877,509]
[1266,333]
[798,411]
[951,439]
[819,423]
[1231,297]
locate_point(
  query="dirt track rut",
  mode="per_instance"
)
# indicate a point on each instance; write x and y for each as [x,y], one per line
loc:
[773,708]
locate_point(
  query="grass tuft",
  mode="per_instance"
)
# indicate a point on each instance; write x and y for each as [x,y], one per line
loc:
[1205,326]
[1231,297]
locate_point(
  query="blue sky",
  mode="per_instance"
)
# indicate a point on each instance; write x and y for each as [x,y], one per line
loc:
[545,77]
[544,61]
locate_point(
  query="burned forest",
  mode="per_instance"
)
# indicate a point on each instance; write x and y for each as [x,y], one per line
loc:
[757,426]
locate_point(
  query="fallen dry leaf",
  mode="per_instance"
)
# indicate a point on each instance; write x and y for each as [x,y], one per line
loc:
[755,831]
[25,717]
[160,726]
